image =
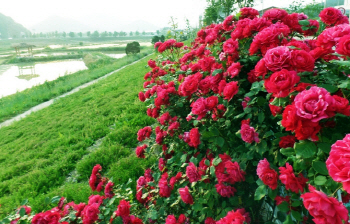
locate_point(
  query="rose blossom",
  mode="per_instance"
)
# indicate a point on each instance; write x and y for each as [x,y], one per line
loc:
[225,191]
[281,83]
[194,137]
[288,178]
[239,216]
[230,90]
[302,61]
[266,174]
[343,46]
[185,195]
[312,104]
[287,141]
[248,133]
[330,15]
[338,162]
[324,209]
[277,58]
[192,173]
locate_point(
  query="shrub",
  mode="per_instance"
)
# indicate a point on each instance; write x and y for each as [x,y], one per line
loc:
[132,48]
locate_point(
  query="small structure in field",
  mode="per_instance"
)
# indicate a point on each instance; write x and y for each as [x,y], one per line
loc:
[20,46]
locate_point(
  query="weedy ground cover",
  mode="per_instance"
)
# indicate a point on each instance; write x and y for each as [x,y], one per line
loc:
[38,153]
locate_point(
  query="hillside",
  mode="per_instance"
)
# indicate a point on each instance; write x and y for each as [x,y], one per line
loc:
[60,24]
[10,29]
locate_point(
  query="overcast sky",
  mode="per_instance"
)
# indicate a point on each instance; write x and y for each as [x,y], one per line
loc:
[157,12]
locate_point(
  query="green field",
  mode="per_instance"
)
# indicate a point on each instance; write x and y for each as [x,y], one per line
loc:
[38,153]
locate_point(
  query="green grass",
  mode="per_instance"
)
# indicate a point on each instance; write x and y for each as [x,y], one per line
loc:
[15,104]
[40,151]
[14,59]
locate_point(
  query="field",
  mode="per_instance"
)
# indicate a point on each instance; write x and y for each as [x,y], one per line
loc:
[39,152]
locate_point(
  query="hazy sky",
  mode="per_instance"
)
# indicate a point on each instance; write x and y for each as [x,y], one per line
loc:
[157,12]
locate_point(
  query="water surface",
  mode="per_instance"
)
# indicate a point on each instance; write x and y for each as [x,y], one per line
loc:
[16,78]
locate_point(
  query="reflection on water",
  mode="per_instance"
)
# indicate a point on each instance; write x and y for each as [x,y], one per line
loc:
[22,76]
[116,55]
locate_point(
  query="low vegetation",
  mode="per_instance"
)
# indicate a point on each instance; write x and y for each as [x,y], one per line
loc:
[52,142]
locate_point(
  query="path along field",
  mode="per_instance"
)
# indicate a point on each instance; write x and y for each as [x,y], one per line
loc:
[38,153]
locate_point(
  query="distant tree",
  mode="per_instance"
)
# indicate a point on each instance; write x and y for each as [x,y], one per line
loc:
[155,39]
[104,34]
[133,48]
[131,33]
[57,34]
[80,34]
[71,34]
[218,10]
[88,33]
[162,38]
[95,34]
[312,10]
[110,34]
[115,34]
[158,32]
[122,34]
[143,33]
[64,34]
[137,33]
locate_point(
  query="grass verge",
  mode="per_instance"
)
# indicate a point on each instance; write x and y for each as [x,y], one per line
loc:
[18,103]
[40,151]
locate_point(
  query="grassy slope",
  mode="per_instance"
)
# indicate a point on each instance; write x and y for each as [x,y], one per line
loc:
[38,152]
[15,104]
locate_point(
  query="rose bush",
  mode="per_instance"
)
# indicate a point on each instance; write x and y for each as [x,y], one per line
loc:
[246,117]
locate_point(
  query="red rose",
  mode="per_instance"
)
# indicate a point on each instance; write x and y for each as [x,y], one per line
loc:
[209,220]
[234,69]
[290,118]
[225,191]
[247,12]
[343,46]
[144,133]
[307,130]
[275,14]
[248,134]
[338,163]
[161,164]
[190,85]
[204,85]
[47,217]
[199,108]
[151,63]
[206,63]
[230,90]
[194,138]
[312,104]
[235,174]
[293,183]
[324,209]
[281,83]
[330,15]
[185,195]
[302,61]
[230,46]
[90,213]
[170,219]
[192,173]
[260,69]
[123,208]
[109,190]
[287,141]
[211,102]
[266,174]
[140,151]
[277,58]
[235,217]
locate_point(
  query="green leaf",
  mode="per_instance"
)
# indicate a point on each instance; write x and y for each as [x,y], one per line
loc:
[24,202]
[197,207]
[216,71]
[207,162]
[212,171]
[289,220]
[287,151]
[297,203]
[305,149]
[345,84]
[220,141]
[260,192]
[261,117]
[280,101]
[216,161]
[341,63]
[325,147]
[330,88]
[320,180]
[22,212]
[296,215]
[272,193]
[304,22]
[320,167]
[55,199]
[283,207]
